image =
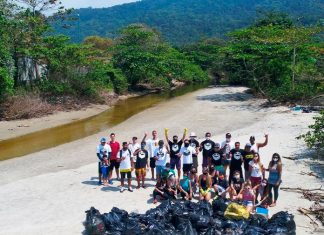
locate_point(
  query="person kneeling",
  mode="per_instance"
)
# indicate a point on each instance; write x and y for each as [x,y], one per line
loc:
[184,187]
[205,184]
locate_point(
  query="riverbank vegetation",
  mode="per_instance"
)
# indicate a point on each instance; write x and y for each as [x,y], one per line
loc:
[278,58]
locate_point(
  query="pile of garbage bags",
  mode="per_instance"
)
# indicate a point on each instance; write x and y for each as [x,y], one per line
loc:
[185,217]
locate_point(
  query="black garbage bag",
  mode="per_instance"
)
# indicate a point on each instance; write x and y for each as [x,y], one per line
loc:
[281,223]
[200,222]
[94,223]
[204,208]
[257,220]
[219,206]
[213,231]
[186,228]
[232,227]
[115,220]
[159,228]
[254,230]
[133,226]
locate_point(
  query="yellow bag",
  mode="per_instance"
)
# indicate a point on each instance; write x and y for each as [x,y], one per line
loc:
[236,211]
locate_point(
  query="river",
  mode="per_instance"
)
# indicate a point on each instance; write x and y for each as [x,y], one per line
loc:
[122,110]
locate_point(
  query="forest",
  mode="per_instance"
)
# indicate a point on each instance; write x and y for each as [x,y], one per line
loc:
[185,21]
[274,55]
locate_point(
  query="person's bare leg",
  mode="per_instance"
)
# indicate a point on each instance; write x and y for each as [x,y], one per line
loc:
[129,181]
[179,173]
[117,173]
[143,179]
[138,178]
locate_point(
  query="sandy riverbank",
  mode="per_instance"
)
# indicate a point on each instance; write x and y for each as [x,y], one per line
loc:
[47,192]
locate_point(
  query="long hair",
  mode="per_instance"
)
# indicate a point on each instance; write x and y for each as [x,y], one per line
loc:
[258,161]
[272,162]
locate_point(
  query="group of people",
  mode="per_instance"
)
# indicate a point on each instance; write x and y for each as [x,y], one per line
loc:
[227,169]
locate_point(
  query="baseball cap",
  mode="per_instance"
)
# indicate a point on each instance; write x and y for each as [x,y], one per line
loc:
[228,135]
[248,145]
[103,139]
[217,145]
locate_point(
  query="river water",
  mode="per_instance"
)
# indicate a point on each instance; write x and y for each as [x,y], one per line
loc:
[55,136]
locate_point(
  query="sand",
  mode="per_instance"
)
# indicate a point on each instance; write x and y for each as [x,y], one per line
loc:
[47,192]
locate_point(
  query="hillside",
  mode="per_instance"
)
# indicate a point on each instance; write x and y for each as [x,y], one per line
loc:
[185,21]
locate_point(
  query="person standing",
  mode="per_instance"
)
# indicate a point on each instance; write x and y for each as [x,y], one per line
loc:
[274,180]
[126,167]
[206,147]
[133,146]
[160,156]
[141,164]
[256,146]
[186,153]
[101,148]
[247,157]
[114,162]
[236,161]
[175,146]
[152,144]
[227,145]
[257,172]
[195,145]
[216,159]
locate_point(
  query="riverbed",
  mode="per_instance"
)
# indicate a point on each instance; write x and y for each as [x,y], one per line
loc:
[48,191]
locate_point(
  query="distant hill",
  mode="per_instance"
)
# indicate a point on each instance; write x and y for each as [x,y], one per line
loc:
[185,21]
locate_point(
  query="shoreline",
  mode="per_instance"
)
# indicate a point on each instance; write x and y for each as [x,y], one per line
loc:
[61,182]
[16,128]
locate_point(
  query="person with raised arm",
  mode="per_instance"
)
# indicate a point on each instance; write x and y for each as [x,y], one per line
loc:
[174,148]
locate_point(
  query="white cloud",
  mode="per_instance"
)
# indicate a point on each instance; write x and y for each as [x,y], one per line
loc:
[93,3]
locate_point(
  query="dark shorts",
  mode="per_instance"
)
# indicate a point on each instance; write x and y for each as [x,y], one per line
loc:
[114,164]
[152,162]
[186,167]
[123,174]
[226,162]
[205,161]
[99,168]
[183,195]
[175,162]
[255,180]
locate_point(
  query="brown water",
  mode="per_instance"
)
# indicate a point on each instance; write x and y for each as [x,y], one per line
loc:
[55,136]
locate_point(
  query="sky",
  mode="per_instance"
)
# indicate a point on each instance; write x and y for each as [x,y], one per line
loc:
[93,3]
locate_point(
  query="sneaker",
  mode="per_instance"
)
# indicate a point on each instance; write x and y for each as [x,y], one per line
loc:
[122,189]
[111,182]
[130,189]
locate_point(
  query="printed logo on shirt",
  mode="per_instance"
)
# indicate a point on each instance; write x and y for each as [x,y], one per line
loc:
[237,155]
[227,148]
[216,156]
[160,153]
[207,146]
[193,145]
[249,156]
[186,152]
[141,154]
[175,147]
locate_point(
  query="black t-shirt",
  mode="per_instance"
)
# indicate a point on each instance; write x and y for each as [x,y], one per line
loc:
[174,148]
[236,161]
[194,144]
[141,159]
[237,184]
[247,157]
[223,183]
[216,157]
[207,147]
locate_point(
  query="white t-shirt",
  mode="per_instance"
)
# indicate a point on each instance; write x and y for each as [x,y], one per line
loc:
[152,145]
[126,163]
[186,153]
[134,147]
[256,171]
[101,149]
[161,154]
[255,148]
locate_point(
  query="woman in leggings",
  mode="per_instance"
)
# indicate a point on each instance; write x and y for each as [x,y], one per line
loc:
[274,180]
